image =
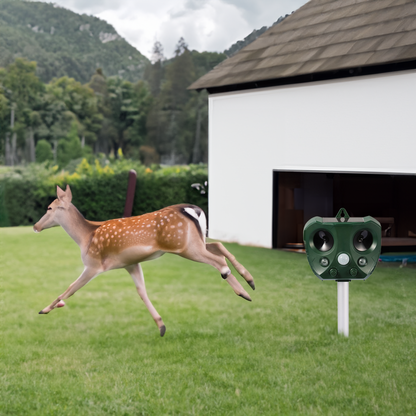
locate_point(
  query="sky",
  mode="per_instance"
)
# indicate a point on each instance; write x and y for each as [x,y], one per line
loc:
[206,25]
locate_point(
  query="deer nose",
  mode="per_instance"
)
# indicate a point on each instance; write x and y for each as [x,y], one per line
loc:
[36,228]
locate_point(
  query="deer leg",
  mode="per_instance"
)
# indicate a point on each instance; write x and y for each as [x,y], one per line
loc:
[202,255]
[220,250]
[136,273]
[87,275]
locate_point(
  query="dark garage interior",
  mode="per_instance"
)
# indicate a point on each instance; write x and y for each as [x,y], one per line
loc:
[299,196]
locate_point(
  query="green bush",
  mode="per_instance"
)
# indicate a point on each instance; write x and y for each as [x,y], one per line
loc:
[4,219]
[99,192]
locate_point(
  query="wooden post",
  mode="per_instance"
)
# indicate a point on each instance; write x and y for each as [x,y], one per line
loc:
[131,189]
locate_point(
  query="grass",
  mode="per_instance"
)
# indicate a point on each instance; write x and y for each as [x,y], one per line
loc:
[279,355]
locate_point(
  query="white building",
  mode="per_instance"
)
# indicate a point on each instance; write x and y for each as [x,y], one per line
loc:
[317,114]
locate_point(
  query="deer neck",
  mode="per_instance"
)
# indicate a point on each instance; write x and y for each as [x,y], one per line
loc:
[77,227]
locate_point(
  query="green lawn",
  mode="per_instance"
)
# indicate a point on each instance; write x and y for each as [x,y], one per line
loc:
[221,355]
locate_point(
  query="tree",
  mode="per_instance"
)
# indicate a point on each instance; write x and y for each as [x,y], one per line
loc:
[167,119]
[82,102]
[124,111]
[179,76]
[4,122]
[23,89]
[98,84]
[43,151]
[69,148]
[135,136]
[154,73]
[54,118]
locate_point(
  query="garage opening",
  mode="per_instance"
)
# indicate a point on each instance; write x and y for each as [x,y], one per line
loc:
[299,196]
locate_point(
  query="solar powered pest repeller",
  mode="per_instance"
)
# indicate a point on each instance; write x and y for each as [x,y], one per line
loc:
[342,249]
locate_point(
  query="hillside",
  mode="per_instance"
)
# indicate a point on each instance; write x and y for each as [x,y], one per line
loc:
[234,48]
[64,43]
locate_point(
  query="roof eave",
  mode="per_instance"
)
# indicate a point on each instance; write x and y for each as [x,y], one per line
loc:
[312,77]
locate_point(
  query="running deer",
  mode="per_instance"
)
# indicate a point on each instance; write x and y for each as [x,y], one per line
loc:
[126,242]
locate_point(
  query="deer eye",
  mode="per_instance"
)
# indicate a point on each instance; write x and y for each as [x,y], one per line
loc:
[49,208]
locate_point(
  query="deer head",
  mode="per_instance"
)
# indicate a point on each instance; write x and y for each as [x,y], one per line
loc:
[55,210]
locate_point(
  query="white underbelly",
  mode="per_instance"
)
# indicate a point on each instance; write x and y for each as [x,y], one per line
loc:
[131,255]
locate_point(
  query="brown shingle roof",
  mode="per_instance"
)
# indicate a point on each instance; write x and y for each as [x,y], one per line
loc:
[323,35]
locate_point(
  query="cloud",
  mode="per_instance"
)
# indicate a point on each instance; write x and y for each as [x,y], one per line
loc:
[211,25]
[261,13]
[204,24]
[195,4]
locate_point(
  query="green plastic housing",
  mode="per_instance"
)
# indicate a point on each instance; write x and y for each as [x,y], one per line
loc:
[347,256]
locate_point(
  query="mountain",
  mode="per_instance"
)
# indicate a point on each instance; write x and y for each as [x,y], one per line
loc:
[233,49]
[65,43]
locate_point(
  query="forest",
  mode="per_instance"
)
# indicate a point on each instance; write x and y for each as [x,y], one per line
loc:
[72,88]
[154,120]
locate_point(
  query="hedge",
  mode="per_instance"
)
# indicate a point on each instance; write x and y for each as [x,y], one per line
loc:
[98,192]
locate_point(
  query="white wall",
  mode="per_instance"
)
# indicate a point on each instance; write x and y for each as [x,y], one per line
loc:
[365,124]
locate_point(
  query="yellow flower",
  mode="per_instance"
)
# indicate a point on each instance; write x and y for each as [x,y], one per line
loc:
[73,177]
[84,167]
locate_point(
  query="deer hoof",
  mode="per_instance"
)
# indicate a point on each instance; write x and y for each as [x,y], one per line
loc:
[162,330]
[245,296]
[252,285]
[42,313]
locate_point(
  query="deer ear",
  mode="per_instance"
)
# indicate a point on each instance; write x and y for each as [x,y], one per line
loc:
[64,196]
[68,193]
[60,193]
